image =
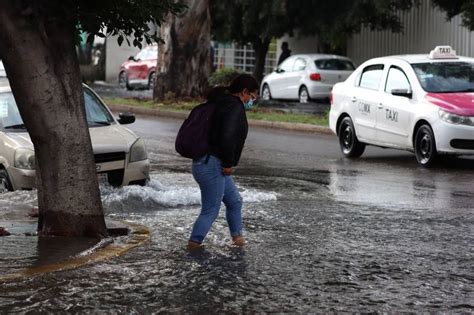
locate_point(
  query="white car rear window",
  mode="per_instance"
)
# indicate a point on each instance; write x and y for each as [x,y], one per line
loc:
[334,64]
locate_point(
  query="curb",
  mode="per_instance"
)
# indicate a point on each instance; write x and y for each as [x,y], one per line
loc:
[139,234]
[299,127]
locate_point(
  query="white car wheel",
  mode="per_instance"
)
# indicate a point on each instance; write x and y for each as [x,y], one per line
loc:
[304,95]
[266,95]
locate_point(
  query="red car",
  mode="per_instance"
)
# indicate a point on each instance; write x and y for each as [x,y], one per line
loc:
[139,71]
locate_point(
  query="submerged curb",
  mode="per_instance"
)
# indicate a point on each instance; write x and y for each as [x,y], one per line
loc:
[252,122]
[138,235]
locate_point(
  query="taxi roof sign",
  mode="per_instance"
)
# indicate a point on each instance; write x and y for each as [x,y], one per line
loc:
[443,52]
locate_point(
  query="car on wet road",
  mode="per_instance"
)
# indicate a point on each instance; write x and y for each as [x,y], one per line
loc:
[306,77]
[422,103]
[139,70]
[121,157]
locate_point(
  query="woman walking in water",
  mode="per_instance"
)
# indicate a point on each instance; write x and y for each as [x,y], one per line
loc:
[213,171]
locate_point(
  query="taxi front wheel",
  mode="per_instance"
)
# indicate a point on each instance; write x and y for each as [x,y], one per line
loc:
[350,145]
[425,146]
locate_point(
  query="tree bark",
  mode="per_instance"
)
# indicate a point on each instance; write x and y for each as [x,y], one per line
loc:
[261,48]
[183,59]
[40,60]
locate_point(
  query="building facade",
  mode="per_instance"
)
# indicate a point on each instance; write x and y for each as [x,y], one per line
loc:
[424,27]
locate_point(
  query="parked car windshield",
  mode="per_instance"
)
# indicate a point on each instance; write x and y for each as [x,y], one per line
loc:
[334,64]
[97,114]
[445,77]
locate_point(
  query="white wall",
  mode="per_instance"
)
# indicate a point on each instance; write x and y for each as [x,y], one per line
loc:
[115,56]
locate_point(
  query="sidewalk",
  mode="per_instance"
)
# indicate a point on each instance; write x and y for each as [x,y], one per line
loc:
[252,122]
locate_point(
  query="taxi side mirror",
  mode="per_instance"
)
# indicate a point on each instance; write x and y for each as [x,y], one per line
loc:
[126,118]
[402,92]
[279,70]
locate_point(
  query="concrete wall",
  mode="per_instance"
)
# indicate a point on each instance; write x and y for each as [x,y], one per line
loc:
[298,45]
[425,28]
[115,56]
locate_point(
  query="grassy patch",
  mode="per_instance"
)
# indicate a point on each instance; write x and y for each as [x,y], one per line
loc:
[257,113]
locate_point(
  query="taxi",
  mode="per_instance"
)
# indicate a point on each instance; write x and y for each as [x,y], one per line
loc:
[420,103]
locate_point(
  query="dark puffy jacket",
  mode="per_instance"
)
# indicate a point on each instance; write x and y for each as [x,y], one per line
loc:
[229,129]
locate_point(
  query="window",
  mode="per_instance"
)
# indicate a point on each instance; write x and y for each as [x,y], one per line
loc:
[396,80]
[96,113]
[287,65]
[334,64]
[371,77]
[9,114]
[446,77]
[300,65]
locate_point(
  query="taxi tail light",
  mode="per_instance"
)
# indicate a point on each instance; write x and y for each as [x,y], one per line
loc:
[330,97]
[315,77]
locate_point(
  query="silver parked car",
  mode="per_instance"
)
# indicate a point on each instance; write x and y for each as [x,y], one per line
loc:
[306,77]
[120,156]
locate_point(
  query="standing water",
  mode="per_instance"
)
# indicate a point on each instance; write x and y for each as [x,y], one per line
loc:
[309,250]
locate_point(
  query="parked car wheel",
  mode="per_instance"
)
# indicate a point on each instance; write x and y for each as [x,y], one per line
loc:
[350,145]
[266,94]
[123,81]
[151,80]
[304,95]
[5,184]
[425,146]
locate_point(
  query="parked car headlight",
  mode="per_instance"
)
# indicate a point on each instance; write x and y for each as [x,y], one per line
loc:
[24,159]
[456,119]
[138,151]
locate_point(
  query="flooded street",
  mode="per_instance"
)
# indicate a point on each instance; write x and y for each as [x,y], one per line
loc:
[324,234]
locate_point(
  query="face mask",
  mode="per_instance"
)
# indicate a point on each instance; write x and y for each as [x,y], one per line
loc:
[249,104]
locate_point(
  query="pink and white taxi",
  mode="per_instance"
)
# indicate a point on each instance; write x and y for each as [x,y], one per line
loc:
[420,103]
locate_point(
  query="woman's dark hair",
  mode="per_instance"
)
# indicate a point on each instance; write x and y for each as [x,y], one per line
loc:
[243,81]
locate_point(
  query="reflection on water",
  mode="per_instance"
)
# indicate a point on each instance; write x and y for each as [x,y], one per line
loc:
[317,242]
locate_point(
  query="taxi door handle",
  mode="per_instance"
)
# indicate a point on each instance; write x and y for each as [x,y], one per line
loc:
[354,99]
[380,105]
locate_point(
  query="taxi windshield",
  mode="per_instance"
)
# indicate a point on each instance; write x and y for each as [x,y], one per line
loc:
[10,119]
[446,77]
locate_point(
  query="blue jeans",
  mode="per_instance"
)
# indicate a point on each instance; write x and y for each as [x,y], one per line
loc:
[215,188]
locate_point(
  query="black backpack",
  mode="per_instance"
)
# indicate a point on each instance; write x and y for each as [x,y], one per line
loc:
[192,140]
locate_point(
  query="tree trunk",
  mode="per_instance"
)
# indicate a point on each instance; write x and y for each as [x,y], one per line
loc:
[40,60]
[183,59]
[261,48]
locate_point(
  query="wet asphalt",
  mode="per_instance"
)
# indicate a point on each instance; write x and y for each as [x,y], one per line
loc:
[325,234]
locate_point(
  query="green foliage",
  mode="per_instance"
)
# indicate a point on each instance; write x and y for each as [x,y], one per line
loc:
[247,21]
[223,76]
[455,7]
[333,21]
[124,18]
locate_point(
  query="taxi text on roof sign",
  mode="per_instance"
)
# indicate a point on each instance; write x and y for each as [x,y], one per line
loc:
[443,52]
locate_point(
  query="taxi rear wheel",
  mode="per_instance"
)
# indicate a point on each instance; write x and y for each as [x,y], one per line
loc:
[5,184]
[350,145]
[425,146]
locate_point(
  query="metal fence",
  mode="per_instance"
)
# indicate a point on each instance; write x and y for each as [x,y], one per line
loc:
[424,28]
[242,57]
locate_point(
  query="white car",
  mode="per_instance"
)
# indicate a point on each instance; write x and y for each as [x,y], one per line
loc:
[120,156]
[306,77]
[420,103]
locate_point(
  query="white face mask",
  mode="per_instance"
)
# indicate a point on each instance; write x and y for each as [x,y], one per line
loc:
[249,104]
